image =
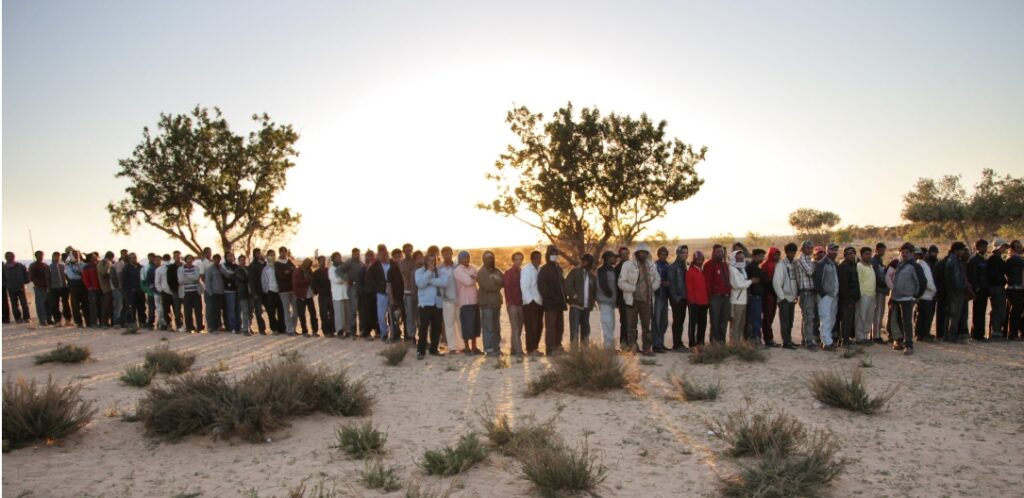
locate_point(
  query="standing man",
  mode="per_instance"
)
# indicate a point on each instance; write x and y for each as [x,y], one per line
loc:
[490,280]
[469,304]
[771,300]
[955,285]
[926,303]
[580,290]
[39,274]
[430,286]
[808,295]
[533,304]
[512,282]
[163,300]
[245,298]
[377,281]
[716,274]
[450,302]
[977,279]
[189,289]
[1015,290]
[738,297]
[73,267]
[172,284]
[283,269]
[638,280]
[866,304]
[849,296]
[272,296]
[91,279]
[784,282]
[106,274]
[340,302]
[551,283]
[826,284]
[131,292]
[620,303]
[697,299]
[57,296]
[257,294]
[996,269]
[677,296]
[407,268]
[908,284]
[215,300]
[607,297]
[324,296]
[661,299]
[354,269]
[881,292]
[231,309]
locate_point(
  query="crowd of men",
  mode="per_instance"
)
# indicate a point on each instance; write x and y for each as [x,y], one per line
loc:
[437,297]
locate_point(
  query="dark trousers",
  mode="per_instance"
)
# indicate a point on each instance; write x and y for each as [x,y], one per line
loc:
[193,311]
[275,312]
[554,325]
[368,313]
[215,308]
[623,310]
[7,306]
[304,306]
[720,313]
[925,315]
[1015,299]
[847,322]
[19,304]
[978,310]
[698,324]
[323,300]
[58,301]
[678,317]
[533,323]
[787,314]
[106,308]
[78,300]
[903,314]
[171,308]
[430,319]
[94,296]
[755,307]
[768,317]
[256,301]
[134,308]
[955,307]
[640,313]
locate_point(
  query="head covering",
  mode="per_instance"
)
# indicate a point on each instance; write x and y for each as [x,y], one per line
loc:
[642,247]
[607,254]
[768,267]
[698,255]
[818,249]
[463,253]
[832,246]
[807,243]
[1000,243]
[733,262]
[680,249]
[918,250]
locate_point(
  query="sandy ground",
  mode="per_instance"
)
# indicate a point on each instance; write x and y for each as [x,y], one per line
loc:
[956,427]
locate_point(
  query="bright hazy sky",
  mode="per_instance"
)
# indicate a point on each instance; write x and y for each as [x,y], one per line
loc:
[401,105]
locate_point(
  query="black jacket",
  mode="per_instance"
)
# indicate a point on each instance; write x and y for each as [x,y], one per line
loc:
[849,283]
[254,274]
[377,281]
[551,284]
[754,270]
[977,274]
[283,272]
[321,282]
[996,271]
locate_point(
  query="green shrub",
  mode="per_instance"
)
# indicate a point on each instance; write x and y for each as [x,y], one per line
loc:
[687,390]
[555,469]
[376,476]
[803,473]
[65,353]
[836,390]
[747,351]
[165,361]
[759,431]
[48,412]
[360,441]
[708,354]
[527,434]
[450,461]
[137,376]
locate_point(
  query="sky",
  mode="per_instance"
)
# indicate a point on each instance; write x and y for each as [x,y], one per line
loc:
[401,106]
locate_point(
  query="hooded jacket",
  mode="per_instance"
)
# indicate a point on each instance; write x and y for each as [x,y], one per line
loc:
[784,280]
[908,281]
[931,287]
[491,281]
[677,281]
[955,279]
[607,285]
[738,280]
[849,282]
[826,278]
[629,275]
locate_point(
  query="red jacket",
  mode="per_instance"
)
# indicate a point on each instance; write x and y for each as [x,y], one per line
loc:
[717,275]
[90,278]
[696,286]
[300,285]
[513,293]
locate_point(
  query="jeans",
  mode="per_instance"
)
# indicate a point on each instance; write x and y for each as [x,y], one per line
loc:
[579,326]
[490,319]
[515,321]
[827,308]
[660,319]
[808,314]
[231,310]
[998,297]
[737,323]
[323,301]
[303,307]
[925,315]
[720,310]
[640,312]
[903,312]
[698,324]
[469,320]
[755,313]
[608,324]
[678,319]
[193,311]
[353,310]
[430,318]
[865,316]
[411,307]
[39,294]
[955,307]
[214,307]
[787,314]
[245,315]
[769,308]
[383,313]
[978,313]
[533,323]
[288,311]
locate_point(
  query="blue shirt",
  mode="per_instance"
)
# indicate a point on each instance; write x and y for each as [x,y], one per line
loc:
[662,267]
[73,270]
[430,287]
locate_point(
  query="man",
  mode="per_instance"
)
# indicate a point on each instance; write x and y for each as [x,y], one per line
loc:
[996,270]
[908,284]
[697,299]
[107,275]
[163,301]
[661,299]
[189,289]
[91,279]
[677,296]
[450,302]
[784,282]
[148,287]
[533,304]
[430,286]
[739,284]
[716,274]
[490,281]
[283,269]
[245,298]
[938,298]
[131,292]
[73,267]
[39,274]
[551,283]
[511,282]
[620,303]
[228,268]
[257,294]
[407,268]
[849,295]
[172,285]
[881,292]
[1015,290]
[272,296]
[215,299]
[926,304]
[866,304]
[977,279]
[955,284]
[771,300]
[385,279]
[607,297]
[469,303]
[324,295]
[580,290]
[337,275]
[638,280]
[353,269]
[57,295]
[756,297]
[826,285]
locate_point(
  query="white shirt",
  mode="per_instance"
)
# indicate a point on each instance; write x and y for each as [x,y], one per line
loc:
[586,288]
[269,278]
[929,293]
[528,284]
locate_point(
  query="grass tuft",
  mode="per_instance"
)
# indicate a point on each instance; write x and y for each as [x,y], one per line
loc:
[555,469]
[760,431]
[514,441]
[165,361]
[449,460]
[48,412]
[591,369]
[65,353]
[360,441]
[376,476]
[851,352]
[804,473]
[137,375]
[395,353]
[717,353]
[839,391]
[687,390]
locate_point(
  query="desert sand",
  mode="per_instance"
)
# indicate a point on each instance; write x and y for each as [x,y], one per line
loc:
[955,428]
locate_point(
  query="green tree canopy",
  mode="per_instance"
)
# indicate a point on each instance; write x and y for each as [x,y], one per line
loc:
[813,224]
[196,168]
[944,208]
[584,180]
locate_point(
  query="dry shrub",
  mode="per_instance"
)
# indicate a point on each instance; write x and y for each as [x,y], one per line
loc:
[803,473]
[759,431]
[47,412]
[449,460]
[395,353]
[717,353]
[555,469]
[836,390]
[137,375]
[165,361]
[376,476]
[591,369]
[514,441]
[748,351]
[262,401]
[360,441]
[66,353]
[688,390]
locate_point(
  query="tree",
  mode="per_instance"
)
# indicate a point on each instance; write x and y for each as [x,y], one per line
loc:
[195,167]
[813,224]
[585,180]
[944,208]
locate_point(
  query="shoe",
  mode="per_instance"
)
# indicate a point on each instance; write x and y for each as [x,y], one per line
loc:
[435,353]
[789,345]
[879,340]
[681,349]
[772,344]
[830,348]
[812,347]
[909,351]
[477,351]
[898,346]
[981,339]
[419,355]
[647,352]
[660,350]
